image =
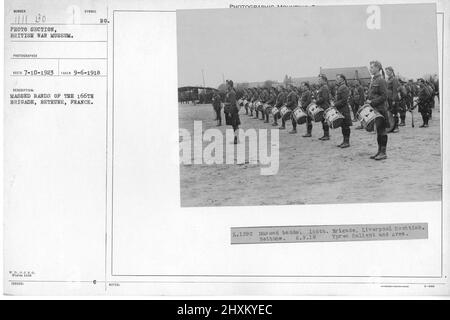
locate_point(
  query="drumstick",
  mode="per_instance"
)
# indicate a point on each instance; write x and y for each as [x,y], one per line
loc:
[412,118]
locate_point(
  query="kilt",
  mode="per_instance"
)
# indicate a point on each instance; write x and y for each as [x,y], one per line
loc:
[345,111]
[402,106]
[424,107]
[382,109]
[394,106]
[232,119]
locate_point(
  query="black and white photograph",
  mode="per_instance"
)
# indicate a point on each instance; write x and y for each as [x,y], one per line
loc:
[309,105]
[257,148]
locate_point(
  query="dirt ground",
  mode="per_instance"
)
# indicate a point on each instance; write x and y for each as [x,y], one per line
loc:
[314,172]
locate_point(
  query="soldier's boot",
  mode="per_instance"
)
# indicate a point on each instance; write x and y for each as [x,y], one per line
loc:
[395,129]
[402,120]
[308,131]
[423,121]
[382,155]
[220,122]
[378,152]
[346,142]
[294,127]
[383,142]
[283,125]
[326,136]
[275,123]
[379,148]
[294,130]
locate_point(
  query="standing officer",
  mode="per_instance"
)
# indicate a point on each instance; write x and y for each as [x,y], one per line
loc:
[393,96]
[217,105]
[341,103]
[424,102]
[231,110]
[323,101]
[377,98]
[305,101]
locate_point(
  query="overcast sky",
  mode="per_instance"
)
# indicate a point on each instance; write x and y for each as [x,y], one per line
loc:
[267,43]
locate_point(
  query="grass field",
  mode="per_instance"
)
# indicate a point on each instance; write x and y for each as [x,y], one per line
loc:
[313,171]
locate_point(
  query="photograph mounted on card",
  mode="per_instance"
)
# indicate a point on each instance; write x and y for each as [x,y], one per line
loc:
[308,105]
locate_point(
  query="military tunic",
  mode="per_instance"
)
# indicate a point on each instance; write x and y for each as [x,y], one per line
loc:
[342,94]
[232,111]
[378,95]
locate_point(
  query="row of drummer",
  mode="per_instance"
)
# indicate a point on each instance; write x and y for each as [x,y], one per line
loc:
[378,109]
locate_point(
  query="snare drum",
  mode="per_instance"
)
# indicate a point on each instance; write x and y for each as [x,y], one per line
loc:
[275,112]
[266,107]
[285,113]
[299,115]
[251,105]
[367,116]
[315,112]
[259,106]
[333,117]
[240,102]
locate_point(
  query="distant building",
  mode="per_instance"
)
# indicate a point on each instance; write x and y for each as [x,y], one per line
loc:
[298,81]
[351,73]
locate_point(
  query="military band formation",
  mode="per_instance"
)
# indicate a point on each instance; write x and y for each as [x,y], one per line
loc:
[381,107]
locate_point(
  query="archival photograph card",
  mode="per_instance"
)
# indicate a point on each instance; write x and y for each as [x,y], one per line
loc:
[216,148]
